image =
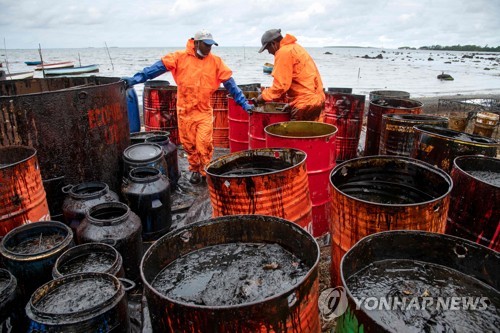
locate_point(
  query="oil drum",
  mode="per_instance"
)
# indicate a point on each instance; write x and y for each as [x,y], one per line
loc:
[264,181]
[147,193]
[318,141]
[240,297]
[115,224]
[262,116]
[170,154]
[416,281]
[474,205]
[160,108]
[379,193]
[21,192]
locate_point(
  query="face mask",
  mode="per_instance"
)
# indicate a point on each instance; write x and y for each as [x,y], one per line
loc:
[198,52]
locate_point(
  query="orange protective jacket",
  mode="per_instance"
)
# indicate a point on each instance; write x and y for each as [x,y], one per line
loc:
[296,74]
[196,79]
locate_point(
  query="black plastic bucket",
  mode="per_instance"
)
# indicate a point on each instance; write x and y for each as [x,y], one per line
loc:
[415,281]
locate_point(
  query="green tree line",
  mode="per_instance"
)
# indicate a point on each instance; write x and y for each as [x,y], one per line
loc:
[485,48]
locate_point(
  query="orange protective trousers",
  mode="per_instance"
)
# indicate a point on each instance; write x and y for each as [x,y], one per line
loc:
[295,74]
[196,79]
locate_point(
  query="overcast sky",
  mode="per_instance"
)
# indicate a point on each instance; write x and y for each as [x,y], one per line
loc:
[163,23]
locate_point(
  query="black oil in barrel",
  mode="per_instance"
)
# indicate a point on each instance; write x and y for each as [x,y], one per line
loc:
[230,274]
[251,165]
[91,262]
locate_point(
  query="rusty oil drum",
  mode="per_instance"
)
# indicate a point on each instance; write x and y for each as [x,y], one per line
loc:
[474,206]
[78,125]
[30,251]
[238,123]
[396,135]
[440,146]
[380,107]
[264,181]
[294,310]
[102,305]
[378,94]
[22,195]
[318,141]
[219,103]
[415,263]
[160,108]
[380,193]
[262,116]
[345,111]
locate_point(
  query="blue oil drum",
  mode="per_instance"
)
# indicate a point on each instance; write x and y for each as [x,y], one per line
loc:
[133,110]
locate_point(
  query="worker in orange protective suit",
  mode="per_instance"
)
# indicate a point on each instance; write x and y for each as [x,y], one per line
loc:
[295,74]
[198,74]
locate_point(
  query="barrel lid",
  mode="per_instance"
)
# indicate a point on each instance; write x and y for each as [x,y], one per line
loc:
[143,152]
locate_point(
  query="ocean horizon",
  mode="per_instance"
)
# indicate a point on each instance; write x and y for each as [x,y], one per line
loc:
[364,69]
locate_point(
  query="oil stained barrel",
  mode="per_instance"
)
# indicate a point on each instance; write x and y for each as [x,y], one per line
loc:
[440,146]
[160,108]
[238,123]
[101,307]
[10,307]
[90,257]
[474,206]
[22,196]
[345,111]
[262,181]
[318,141]
[410,281]
[267,114]
[170,155]
[78,125]
[219,103]
[30,251]
[396,135]
[339,90]
[378,94]
[380,107]
[485,124]
[133,110]
[293,309]
[380,193]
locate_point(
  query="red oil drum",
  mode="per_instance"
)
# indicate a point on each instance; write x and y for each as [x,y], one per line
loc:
[380,107]
[160,108]
[238,123]
[261,181]
[396,136]
[218,101]
[440,146]
[345,111]
[293,309]
[474,206]
[317,140]
[22,196]
[269,113]
[380,193]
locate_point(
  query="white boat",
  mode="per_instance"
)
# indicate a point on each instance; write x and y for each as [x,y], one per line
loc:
[16,76]
[65,64]
[72,71]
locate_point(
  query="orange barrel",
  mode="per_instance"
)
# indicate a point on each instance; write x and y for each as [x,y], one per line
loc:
[317,140]
[160,108]
[234,291]
[396,135]
[398,94]
[380,107]
[261,181]
[440,146]
[345,111]
[474,206]
[238,123]
[218,101]
[380,193]
[267,114]
[485,124]
[22,196]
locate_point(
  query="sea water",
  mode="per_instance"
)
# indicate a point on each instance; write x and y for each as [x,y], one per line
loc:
[413,71]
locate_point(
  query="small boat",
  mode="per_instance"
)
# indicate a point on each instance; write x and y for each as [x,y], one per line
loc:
[446,77]
[33,63]
[65,64]
[16,76]
[267,68]
[72,71]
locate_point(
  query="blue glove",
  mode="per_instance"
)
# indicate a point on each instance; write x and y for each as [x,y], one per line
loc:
[238,95]
[148,73]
